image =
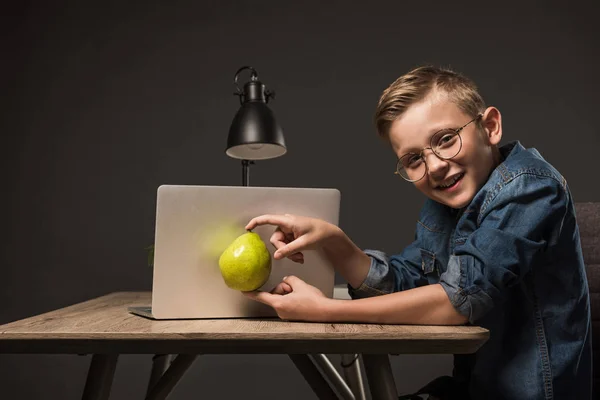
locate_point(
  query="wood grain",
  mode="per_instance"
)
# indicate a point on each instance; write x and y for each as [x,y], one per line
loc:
[104,325]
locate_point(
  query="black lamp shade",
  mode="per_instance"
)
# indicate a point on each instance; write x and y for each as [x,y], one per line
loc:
[255,134]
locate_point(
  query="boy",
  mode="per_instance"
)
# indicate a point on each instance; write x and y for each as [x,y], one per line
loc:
[496,245]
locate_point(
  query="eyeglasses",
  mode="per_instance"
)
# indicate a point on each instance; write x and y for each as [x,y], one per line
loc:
[445,144]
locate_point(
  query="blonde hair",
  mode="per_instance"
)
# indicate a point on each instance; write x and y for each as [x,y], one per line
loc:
[415,85]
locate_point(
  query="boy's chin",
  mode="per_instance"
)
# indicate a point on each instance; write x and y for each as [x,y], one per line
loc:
[458,206]
[458,202]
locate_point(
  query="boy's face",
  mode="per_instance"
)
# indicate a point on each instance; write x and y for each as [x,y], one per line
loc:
[472,165]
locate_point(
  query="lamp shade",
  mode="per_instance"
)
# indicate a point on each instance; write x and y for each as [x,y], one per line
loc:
[254,133]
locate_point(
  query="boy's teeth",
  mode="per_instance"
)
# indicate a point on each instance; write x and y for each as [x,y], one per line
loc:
[457,177]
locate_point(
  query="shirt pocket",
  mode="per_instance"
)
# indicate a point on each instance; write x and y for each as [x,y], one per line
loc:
[429,266]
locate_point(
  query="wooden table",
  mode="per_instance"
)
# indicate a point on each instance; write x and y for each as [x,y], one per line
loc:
[104,327]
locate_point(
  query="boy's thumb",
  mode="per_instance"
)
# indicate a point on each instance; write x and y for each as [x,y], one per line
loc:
[284,251]
[291,248]
[292,280]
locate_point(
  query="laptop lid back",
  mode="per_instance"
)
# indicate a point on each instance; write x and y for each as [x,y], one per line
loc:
[194,224]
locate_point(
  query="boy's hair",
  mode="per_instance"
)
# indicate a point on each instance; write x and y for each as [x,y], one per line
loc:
[415,85]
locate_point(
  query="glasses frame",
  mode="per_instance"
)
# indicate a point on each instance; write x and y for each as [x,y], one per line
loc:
[420,154]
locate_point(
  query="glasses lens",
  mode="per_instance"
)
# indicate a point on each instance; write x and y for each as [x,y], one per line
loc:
[446,144]
[411,167]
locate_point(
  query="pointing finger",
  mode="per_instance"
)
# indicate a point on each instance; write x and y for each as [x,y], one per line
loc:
[269,219]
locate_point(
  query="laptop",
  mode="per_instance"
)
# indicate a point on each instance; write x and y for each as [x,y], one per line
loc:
[194,224]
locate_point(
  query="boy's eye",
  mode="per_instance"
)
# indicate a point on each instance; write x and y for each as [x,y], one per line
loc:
[445,139]
[413,161]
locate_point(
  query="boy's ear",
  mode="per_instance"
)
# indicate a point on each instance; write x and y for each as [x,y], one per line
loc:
[492,124]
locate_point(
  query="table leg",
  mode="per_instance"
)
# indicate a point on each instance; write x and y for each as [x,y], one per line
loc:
[334,377]
[100,377]
[161,389]
[353,375]
[380,377]
[314,378]
[160,363]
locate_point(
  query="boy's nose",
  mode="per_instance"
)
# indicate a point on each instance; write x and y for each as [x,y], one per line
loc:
[435,165]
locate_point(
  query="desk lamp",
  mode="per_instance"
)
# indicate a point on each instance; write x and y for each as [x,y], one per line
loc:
[254,133]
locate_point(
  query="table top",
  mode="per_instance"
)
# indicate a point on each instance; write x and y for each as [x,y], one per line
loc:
[104,325]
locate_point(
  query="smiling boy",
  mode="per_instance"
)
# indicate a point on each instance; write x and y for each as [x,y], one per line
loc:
[496,245]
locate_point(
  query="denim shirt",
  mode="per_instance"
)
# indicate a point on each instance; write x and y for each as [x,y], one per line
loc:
[511,262]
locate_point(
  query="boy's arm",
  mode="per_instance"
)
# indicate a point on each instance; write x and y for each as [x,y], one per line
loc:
[371,272]
[426,305]
[347,258]
[515,228]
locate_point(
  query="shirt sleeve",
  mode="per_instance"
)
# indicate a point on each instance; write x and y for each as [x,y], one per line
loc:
[513,230]
[391,274]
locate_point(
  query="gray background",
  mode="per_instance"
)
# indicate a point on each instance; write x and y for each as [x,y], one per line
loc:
[104,101]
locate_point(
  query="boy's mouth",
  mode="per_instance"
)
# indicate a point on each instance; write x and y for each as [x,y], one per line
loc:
[451,183]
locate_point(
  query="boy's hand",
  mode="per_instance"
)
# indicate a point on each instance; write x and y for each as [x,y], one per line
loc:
[294,234]
[294,299]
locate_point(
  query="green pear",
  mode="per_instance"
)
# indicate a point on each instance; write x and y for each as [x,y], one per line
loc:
[246,263]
